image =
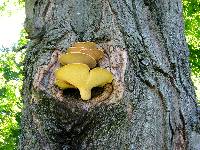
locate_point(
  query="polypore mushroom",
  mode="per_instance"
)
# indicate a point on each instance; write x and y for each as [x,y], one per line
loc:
[77,57]
[63,84]
[93,52]
[80,76]
[88,45]
[88,48]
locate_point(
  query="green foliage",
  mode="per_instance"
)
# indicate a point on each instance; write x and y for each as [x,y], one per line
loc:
[9,7]
[10,98]
[11,82]
[196,81]
[22,40]
[192,32]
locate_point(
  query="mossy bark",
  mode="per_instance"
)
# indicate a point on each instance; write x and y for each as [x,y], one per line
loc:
[150,104]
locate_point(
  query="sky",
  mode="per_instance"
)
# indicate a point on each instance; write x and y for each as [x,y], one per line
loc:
[10,27]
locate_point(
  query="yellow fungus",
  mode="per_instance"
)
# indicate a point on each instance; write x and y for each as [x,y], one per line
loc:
[80,76]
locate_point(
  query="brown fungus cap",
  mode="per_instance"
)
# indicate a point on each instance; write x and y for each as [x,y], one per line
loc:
[87,45]
[77,57]
[95,53]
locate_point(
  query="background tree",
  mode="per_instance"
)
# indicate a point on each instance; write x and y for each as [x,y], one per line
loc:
[10,106]
[192,32]
[11,66]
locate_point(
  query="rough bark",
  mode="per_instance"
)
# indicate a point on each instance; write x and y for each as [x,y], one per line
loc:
[150,104]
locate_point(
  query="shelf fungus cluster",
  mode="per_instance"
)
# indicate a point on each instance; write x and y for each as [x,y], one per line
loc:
[76,73]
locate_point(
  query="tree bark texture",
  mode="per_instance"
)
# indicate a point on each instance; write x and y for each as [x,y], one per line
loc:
[151,102]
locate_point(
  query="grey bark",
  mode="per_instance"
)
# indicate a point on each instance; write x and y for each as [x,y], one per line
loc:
[152,104]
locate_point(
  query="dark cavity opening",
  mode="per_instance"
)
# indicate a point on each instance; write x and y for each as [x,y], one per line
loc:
[72,93]
[75,94]
[96,91]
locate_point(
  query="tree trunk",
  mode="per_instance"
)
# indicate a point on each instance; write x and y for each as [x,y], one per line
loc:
[151,102]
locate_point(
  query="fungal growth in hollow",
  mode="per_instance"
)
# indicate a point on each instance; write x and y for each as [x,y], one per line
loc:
[76,71]
[63,84]
[80,76]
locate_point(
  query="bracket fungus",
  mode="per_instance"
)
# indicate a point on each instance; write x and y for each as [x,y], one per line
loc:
[88,45]
[80,76]
[95,53]
[77,57]
[63,84]
[76,71]
[82,52]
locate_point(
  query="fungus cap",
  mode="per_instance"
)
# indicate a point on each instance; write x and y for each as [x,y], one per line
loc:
[77,57]
[80,76]
[95,53]
[75,74]
[63,84]
[89,45]
[99,77]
